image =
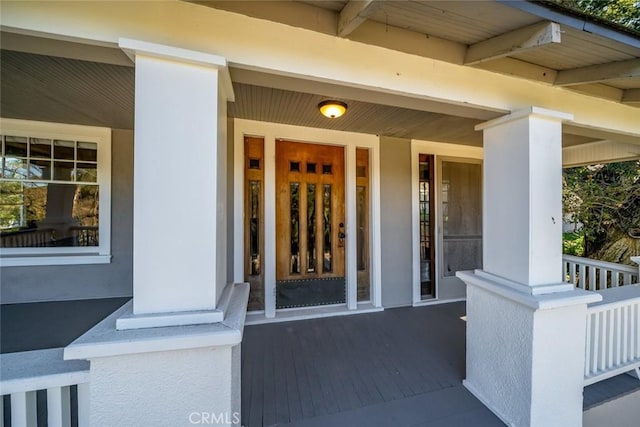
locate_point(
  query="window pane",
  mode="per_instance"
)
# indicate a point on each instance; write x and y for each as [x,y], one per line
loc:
[254,228]
[14,168]
[87,152]
[63,171]
[87,172]
[311,227]
[461,217]
[295,227]
[15,146]
[326,228]
[40,148]
[361,212]
[36,214]
[40,169]
[63,150]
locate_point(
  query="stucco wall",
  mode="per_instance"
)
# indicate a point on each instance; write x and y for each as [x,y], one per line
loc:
[69,282]
[395,215]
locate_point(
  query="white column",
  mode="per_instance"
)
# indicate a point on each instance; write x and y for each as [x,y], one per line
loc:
[172,355]
[525,327]
[180,125]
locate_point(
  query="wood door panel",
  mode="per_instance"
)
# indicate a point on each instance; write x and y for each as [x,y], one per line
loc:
[307,165]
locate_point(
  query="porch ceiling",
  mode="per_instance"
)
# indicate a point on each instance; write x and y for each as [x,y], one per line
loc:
[57,89]
[533,40]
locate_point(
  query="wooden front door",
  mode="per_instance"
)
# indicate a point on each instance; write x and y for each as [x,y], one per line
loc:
[310,224]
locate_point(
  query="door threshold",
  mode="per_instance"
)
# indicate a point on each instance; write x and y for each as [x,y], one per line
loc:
[434,301]
[305,313]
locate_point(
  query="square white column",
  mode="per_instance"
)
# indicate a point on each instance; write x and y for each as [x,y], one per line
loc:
[180,124]
[525,326]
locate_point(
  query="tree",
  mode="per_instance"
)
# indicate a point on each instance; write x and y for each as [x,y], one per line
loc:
[622,12]
[605,199]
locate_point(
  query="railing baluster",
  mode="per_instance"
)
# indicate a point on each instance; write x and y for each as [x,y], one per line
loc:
[596,342]
[587,360]
[83,404]
[582,282]
[572,273]
[24,409]
[58,407]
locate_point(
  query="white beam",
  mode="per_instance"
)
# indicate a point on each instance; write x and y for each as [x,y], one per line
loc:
[599,73]
[514,42]
[631,96]
[599,152]
[355,13]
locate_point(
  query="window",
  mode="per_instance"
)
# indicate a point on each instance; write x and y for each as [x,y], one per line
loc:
[54,193]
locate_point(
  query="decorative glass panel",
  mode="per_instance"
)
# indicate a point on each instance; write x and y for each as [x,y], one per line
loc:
[326,169]
[87,172]
[63,171]
[40,148]
[294,166]
[254,228]
[64,150]
[40,169]
[426,247]
[326,228]
[87,152]
[311,227]
[361,212]
[31,214]
[311,168]
[295,226]
[15,146]
[254,164]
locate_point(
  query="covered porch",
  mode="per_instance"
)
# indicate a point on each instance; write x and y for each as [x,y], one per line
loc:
[206,216]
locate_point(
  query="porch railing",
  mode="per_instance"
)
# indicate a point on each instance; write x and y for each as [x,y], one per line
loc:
[23,374]
[594,275]
[613,334]
[29,238]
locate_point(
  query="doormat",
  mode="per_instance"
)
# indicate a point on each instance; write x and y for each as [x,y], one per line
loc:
[310,292]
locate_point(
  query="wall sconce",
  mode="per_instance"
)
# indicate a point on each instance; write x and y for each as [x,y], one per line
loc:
[332,109]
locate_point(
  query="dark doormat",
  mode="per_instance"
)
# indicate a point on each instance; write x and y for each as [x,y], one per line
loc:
[309,292]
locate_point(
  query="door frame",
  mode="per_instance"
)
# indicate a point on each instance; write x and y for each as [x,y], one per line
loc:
[440,151]
[271,132]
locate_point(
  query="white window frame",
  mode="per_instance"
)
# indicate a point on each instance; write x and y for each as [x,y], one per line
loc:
[18,257]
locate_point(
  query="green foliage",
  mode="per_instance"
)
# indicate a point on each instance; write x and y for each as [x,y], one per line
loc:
[605,198]
[622,12]
[573,244]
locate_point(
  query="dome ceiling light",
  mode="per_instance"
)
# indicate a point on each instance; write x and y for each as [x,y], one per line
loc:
[332,109]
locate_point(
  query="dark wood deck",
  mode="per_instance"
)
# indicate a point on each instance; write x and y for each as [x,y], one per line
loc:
[400,367]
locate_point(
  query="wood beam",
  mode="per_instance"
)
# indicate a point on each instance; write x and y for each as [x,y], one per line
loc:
[599,73]
[355,13]
[631,96]
[513,42]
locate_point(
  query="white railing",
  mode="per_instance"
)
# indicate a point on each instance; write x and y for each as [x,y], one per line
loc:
[594,275]
[23,374]
[613,334]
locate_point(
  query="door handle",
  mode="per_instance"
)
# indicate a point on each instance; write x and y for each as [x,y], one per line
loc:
[341,234]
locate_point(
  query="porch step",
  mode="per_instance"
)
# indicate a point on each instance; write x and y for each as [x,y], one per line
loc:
[449,407]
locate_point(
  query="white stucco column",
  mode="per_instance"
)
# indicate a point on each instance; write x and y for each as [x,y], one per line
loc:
[180,115]
[525,326]
[171,356]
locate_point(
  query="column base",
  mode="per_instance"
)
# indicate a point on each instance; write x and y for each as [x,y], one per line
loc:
[525,353]
[178,375]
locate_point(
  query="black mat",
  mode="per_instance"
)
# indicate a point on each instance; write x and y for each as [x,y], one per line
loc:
[309,292]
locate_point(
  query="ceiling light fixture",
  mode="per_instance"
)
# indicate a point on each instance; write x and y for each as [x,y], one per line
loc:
[332,109]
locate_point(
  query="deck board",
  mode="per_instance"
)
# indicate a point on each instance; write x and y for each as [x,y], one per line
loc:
[400,367]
